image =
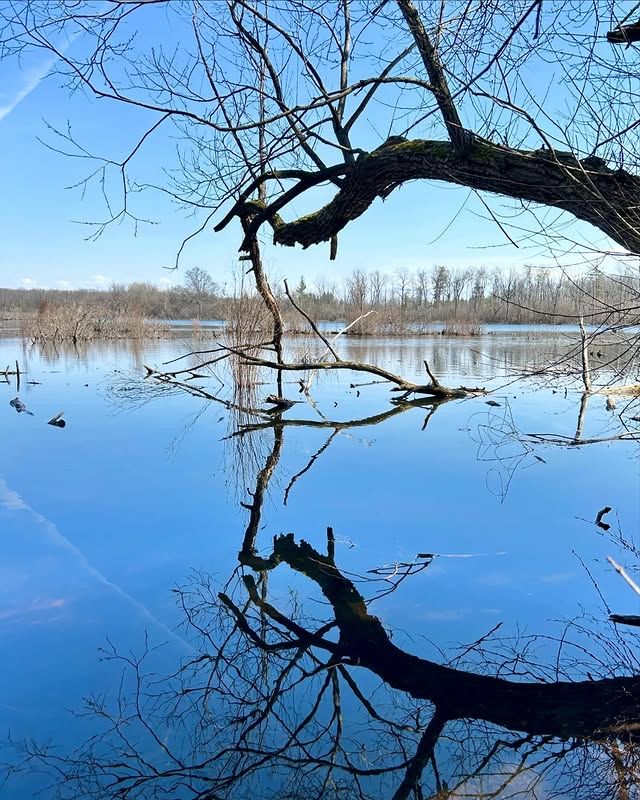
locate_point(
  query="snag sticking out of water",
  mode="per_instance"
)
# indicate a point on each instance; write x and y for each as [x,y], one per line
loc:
[279,403]
[20,406]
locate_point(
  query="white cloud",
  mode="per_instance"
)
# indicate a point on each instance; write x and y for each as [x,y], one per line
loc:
[28,283]
[164,282]
[64,285]
[99,280]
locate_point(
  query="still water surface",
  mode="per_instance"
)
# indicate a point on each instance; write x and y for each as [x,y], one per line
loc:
[101,519]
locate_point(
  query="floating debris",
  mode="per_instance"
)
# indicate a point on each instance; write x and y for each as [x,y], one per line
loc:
[20,406]
[280,403]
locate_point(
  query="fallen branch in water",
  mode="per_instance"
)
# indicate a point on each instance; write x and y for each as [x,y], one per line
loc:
[436,389]
[402,385]
[223,353]
[627,390]
[570,441]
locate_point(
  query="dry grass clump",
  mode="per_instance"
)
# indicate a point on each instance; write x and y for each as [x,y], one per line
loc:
[394,322]
[461,328]
[76,322]
[246,327]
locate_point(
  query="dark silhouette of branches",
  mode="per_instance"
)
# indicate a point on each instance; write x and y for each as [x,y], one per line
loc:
[277,700]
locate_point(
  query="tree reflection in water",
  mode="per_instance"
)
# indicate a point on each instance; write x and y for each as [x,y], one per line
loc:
[283,701]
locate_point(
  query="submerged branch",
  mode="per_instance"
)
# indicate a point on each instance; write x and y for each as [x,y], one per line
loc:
[399,407]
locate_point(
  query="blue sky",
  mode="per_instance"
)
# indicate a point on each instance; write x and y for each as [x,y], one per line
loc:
[43,245]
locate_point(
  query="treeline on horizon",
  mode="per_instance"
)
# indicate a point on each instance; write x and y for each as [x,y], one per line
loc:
[437,294]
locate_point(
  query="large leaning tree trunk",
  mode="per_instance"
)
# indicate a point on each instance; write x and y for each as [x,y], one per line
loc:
[587,188]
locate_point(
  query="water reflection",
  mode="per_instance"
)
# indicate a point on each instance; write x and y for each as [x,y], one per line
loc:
[301,685]
[70,357]
[502,351]
[292,698]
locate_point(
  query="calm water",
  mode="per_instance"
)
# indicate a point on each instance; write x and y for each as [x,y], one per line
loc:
[142,490]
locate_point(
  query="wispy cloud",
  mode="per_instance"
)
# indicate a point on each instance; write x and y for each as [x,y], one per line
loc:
[35,607]
[28,283]
[32,80]
[11,500]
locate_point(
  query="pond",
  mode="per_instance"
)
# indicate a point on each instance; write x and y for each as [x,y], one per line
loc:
[458,523]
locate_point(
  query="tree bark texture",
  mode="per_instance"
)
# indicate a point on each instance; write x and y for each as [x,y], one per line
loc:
[588,189]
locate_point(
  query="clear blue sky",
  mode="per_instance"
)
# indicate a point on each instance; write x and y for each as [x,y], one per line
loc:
[420,225]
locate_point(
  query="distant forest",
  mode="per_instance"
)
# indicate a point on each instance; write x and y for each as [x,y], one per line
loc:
[424,296]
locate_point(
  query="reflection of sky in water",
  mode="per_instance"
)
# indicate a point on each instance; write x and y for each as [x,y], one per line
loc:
[101,519]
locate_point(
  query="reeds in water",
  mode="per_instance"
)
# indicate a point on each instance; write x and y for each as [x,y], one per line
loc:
[75,322]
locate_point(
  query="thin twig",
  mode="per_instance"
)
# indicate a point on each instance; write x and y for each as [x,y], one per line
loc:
[311,322]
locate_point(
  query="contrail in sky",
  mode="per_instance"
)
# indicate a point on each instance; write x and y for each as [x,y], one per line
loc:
[37,74]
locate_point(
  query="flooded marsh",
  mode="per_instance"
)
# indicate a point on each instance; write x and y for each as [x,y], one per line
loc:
[164,525]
